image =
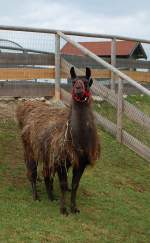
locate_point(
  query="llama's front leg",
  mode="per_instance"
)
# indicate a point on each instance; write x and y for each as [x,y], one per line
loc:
[62,175]
[77,173]
[68,165]
[32,176]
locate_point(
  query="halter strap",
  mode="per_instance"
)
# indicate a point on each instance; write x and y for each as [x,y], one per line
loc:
[84,98]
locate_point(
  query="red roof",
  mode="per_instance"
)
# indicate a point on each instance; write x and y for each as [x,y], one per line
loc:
[124,48]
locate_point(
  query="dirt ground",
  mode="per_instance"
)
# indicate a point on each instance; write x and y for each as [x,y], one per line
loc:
[7,109]
[8,106]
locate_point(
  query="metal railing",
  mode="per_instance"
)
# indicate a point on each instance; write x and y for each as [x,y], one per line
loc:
[75,33]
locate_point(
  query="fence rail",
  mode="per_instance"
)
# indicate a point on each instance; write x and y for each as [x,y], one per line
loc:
[78,61]
[24,72]
[84,61]
[26,59]
[74,33]
[8,60]
[26,89]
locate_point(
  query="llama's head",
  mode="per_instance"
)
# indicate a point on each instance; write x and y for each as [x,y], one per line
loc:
[81,86]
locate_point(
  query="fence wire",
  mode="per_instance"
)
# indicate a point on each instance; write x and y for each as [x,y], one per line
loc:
[26,56]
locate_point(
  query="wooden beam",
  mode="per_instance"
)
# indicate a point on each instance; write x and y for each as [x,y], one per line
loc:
[57,67]
[65,96]
[26,73]
[100,73]
[85,61]
[136,75]
[139,76]
[106,74]
[131,63]
[113,62]
[26,59]
[119,110]
[26,89]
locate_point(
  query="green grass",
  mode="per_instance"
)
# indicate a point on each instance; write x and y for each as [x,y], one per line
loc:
[114,198]
[140,101]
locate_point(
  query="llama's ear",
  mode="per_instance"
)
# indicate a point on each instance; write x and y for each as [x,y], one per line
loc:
[88,72]
[72,73]
[90,82]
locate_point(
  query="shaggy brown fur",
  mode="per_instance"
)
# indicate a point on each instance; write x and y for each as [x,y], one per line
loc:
[59,138]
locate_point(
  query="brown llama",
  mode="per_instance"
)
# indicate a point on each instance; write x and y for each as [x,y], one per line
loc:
[60,138]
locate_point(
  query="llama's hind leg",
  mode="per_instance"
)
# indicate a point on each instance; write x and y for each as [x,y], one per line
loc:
[31,166]
[32,176]
[62,175]
[48,179]
[30,162]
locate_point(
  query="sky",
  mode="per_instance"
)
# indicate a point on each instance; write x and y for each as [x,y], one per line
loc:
[128,18]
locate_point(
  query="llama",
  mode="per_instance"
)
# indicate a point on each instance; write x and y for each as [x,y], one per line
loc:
[60,139]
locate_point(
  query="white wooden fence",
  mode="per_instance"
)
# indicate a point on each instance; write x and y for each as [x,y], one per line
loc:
[116,100]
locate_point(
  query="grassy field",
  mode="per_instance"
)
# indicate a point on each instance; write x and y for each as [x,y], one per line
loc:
[114,198]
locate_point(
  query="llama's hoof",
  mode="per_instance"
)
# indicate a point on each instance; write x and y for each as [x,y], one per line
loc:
[52,198]
[64,211]
[75,210]
[55,198]
[39,179]
[36,198]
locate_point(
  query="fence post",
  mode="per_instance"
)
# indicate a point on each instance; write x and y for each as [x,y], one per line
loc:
[113,62]
[119,110]
[57,67]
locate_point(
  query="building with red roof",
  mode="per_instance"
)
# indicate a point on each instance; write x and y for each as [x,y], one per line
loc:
[124,49]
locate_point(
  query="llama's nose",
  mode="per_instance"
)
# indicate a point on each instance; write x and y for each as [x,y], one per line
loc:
[79,90]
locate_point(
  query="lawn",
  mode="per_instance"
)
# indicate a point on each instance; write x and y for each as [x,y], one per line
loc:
[114,198]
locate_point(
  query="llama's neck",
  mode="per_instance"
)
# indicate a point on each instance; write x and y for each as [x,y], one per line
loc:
[82,126]
[81,114]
